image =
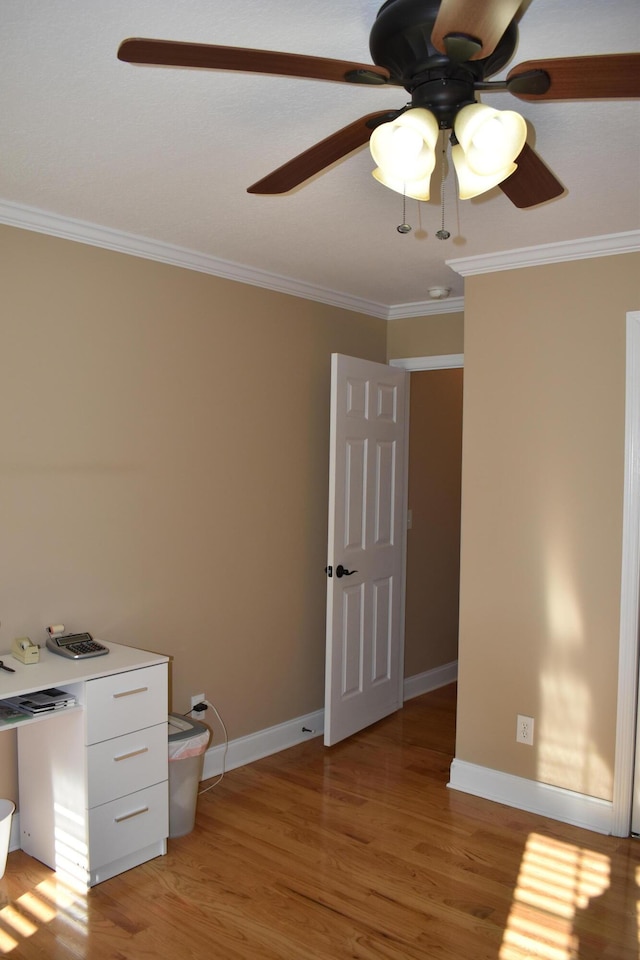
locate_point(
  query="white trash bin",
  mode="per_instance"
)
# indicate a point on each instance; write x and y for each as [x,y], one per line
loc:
[6,813]
[188,740]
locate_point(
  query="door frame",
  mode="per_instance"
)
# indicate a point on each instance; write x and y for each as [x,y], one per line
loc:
[626,723]
[447,361]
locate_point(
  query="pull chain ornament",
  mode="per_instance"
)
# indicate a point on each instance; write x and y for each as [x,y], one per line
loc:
[404,227]
[442,233]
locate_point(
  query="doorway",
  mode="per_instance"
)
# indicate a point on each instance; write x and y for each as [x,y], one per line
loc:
[432,574]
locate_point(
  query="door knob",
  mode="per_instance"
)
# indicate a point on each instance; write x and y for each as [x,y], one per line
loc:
[343,572]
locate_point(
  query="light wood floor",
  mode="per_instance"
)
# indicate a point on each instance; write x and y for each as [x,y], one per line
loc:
[359,851]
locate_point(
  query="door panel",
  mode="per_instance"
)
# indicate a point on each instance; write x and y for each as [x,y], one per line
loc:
[352,636]
[385,474]
[382,630]
[356,478]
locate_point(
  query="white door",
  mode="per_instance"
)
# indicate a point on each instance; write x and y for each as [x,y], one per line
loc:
[364,659]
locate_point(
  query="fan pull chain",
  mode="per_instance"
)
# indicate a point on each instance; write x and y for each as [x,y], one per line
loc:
[442,233]
[404,227]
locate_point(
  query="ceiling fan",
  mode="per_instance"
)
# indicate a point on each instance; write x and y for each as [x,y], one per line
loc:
[441,52]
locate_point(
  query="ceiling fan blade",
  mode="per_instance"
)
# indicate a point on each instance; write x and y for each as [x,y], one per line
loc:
[316,158]
[607,76]
[483,20]
[172,53]
[532,182]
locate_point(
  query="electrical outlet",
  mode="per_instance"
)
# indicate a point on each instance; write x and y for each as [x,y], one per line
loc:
[197,698]
[524,730]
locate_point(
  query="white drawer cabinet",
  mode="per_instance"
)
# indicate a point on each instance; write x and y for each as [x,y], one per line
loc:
[94,780]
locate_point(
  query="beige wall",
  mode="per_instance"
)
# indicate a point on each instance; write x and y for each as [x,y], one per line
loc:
[163,470]
[163,483]
[433,542]
[543,454]
[431,336]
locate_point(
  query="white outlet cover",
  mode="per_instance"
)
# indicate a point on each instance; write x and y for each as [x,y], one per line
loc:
[524,730]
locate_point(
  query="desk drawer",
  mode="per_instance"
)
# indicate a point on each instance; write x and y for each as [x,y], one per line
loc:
[126,764]
[126,702]
[130,823]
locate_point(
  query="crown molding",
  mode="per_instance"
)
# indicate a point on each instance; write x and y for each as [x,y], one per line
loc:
[80,231]
[608,245]
[426,308]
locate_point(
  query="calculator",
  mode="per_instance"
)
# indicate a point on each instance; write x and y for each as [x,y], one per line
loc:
[77,646]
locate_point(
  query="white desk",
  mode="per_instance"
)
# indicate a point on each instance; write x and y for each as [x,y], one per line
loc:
[93,778]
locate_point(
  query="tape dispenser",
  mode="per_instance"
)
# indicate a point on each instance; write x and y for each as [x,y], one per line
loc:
[25,651]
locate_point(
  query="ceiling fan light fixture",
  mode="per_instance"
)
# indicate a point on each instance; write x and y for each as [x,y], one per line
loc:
[414,189]
[404,149]
[472,184]
[491,139]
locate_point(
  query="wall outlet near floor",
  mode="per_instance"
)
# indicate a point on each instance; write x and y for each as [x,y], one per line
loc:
[197,698]
[524,730]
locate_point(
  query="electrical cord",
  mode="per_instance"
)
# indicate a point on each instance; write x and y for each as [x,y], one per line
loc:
[226,741]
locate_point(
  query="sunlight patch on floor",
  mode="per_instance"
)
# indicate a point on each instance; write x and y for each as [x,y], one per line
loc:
[36,908]
[556,880]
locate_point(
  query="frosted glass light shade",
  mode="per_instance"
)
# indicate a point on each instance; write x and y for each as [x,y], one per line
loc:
[416,189]
[491,139]
[471,184]
[404,148]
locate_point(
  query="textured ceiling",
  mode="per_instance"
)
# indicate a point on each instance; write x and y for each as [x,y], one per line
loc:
[167,154]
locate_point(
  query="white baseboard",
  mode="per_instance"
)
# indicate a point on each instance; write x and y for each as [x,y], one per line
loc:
[430,680]
[263,743]
[564,805]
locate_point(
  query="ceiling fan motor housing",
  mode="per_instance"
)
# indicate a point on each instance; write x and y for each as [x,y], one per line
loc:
[400,40]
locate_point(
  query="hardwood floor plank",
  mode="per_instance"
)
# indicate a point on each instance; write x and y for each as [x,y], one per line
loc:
[357,852]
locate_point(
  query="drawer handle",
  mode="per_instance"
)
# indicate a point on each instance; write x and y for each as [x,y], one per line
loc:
[128,816]
[134,753]
[130,693]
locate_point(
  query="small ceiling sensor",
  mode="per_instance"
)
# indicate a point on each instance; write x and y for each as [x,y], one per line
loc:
[439,293]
